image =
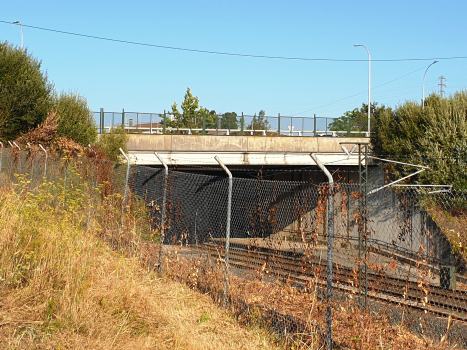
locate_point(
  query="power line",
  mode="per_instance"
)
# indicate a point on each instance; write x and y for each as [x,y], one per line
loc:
[231,53]
[346,98]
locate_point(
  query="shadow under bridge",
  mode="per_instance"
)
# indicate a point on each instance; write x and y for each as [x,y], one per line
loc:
[196,206]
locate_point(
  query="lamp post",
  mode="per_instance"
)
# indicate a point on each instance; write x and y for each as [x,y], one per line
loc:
[21,26]
[369,85]
[423,86]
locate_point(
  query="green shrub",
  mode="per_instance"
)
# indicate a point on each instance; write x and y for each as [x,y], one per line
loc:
[112,141]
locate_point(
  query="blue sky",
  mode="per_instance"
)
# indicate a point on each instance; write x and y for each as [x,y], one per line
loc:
[147,79]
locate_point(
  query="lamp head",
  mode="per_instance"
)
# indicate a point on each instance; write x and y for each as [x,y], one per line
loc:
[435,61]
[16,22]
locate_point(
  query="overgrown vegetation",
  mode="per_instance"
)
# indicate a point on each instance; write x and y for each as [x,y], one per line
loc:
[357,119]
[111,142]
[27,99]
[25,92]
[263,305]
[76,121]
[76,274]
[72,278]
[434,136]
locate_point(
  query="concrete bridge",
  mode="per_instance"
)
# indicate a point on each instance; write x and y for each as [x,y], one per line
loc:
[241,150]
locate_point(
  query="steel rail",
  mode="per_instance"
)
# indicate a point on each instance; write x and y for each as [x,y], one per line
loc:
[388,289]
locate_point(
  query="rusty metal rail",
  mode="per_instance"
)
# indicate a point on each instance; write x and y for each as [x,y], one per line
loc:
[301,268]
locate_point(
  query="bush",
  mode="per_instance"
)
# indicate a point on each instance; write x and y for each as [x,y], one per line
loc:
[25,93]
[112,141]
[76,121]
[435,136]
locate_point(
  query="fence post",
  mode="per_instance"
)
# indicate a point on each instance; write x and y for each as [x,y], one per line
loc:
[243,123]
[10,166]
[227,233]
[20,168]
[363,230]
[204,124]
[314,124]
[150,127]
[164,201]
[46,156]
[330,250]
[102,120]
[88,224]
[279,125]
[126,191]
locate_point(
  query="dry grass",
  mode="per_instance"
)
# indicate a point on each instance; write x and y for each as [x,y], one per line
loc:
[62,287]
[260,303]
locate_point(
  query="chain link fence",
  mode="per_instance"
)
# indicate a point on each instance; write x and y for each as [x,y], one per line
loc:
[397,263]
[229,124]
[399,259]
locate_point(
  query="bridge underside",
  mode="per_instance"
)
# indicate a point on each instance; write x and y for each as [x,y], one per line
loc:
[242,158]
[285,158]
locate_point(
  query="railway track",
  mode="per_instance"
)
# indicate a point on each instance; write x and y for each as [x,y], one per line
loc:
[301,268]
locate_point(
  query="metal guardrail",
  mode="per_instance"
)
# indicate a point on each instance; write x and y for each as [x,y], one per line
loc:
[221,124]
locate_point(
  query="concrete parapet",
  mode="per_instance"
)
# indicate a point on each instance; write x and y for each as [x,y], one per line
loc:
[200,143]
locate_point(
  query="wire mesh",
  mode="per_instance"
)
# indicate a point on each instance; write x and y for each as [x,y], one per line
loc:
[401,261]
[400,264]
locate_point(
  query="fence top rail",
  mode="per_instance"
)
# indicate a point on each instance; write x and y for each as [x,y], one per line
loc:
[277,125]
[162,114]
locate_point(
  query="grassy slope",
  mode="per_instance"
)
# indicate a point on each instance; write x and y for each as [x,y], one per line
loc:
[62,287]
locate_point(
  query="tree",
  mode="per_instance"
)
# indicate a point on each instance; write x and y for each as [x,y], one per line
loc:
[192,116]
[259,122]
[76,121]
[190,109]
[435,136]
[229,121]
[209,118]
[25,92]
[357,119]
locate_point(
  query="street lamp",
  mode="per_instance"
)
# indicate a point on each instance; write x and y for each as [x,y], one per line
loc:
[369,85]
[423,86]
[21,26]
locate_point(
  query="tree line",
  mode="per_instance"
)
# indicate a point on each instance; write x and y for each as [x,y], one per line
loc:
[433,135]
[31,109]
[195,116]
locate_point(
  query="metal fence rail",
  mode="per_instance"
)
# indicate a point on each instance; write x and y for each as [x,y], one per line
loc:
[270,265]
[279,232]
[220,124]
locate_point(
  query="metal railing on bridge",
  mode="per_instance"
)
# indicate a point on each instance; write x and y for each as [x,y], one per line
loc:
[228,124]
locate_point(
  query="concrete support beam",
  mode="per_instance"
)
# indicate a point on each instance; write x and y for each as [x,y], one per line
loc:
[238,158]
[242,144]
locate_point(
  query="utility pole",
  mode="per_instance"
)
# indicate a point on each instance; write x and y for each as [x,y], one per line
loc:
[441,86]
